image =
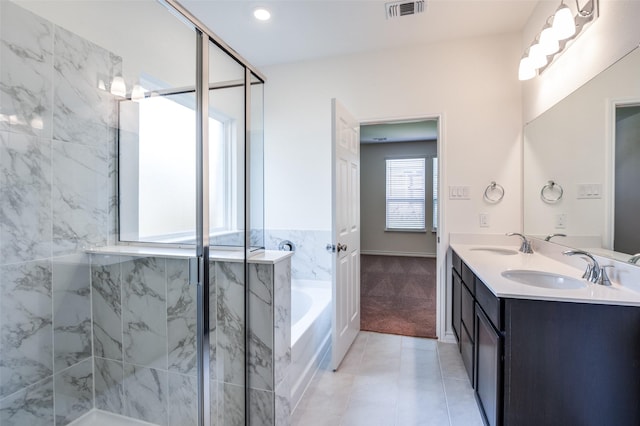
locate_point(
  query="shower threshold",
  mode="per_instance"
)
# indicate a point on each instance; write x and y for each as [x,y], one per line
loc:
[104,418]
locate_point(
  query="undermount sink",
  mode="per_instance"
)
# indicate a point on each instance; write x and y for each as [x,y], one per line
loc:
[496,250]
[543,279]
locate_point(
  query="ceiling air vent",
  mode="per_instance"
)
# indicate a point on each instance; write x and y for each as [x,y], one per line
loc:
[403,8]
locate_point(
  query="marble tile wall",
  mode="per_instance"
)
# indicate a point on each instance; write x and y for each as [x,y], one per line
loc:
[144,329]
[311,260]
[57,145]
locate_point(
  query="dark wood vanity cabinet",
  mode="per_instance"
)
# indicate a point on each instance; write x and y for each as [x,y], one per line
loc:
[538,362]
[456,294]
[463,316]
[488,378]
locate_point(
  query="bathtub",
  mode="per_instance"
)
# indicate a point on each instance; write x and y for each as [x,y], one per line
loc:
[310,331]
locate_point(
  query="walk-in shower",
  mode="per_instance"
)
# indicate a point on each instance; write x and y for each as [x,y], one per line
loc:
[131,189]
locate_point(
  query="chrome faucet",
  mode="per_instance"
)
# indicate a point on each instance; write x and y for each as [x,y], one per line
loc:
[594,272]
[634,258]
[526,245]
[550,236]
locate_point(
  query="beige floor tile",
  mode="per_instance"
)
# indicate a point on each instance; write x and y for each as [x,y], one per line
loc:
[451,361]
[374,389]
[419,343]
[369,414]
[463,409]
[389,380]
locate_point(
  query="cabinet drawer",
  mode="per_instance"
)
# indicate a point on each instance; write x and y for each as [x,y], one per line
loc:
[456,263]
[468,278]
[466,350]
[468,316]
[490,304]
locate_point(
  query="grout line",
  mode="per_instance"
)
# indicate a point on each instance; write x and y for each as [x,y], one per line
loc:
[444,389]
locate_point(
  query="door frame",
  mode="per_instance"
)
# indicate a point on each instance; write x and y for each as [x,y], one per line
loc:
[443,298]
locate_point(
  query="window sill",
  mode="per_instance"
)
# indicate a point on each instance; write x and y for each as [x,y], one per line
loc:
[423,231]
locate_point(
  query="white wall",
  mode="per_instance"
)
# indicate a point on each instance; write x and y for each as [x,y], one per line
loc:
[606,40]
[473,85]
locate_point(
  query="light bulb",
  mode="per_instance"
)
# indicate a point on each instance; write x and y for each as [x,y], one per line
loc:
[118,88]
[262,14]
[548,41]
[137,93]
[526,71]
[563,23]
[537,56]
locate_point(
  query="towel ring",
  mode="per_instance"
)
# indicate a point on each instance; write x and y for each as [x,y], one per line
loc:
[551,192]
[493,193]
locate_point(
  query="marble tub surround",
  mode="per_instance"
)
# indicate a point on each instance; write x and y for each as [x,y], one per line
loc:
[145,338]
[310,260]
[548,257]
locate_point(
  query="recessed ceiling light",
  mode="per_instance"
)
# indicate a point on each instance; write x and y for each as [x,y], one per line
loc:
[262,14]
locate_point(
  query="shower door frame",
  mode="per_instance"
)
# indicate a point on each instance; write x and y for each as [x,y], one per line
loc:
[203,337]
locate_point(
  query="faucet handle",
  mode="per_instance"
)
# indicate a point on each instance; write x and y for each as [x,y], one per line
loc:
[603,278]
[526,244]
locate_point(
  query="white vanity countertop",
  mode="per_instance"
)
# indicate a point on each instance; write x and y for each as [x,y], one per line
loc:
[488,267]
[265,256]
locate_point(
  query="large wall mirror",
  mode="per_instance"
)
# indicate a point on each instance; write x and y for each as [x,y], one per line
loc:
[582,165]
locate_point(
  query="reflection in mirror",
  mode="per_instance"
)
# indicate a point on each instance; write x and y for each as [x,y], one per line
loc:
[626,239]
[585,143]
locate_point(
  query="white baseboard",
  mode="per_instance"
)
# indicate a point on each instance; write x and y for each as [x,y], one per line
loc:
[397,253]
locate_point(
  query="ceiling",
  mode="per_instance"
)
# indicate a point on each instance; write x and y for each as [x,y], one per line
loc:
[309,29]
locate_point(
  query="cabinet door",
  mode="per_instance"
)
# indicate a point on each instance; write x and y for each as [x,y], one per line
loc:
[456,301]
[488,355]
[466,350]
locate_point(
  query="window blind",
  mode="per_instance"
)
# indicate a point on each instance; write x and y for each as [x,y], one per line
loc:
[405,194]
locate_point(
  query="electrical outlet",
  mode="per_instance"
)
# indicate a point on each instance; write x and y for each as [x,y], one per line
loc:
[561,221]
[484,220]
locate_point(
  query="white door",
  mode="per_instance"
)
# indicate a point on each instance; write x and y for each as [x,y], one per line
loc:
[345,224]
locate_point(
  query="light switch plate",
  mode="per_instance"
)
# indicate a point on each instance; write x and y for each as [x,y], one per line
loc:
[459,192]
[589,191]
[561,221]
[484,220]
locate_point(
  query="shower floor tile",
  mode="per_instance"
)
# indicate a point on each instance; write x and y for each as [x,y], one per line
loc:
[103,418]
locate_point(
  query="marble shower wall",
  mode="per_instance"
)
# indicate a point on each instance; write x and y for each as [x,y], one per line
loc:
[57,187]
[311,261]
[144,319]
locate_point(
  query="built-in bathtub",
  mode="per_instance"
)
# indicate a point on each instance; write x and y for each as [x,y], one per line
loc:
[310,331]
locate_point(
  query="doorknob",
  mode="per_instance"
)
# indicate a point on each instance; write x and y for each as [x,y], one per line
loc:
[342,247]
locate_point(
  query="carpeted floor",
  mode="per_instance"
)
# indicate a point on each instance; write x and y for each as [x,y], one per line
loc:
[398,295]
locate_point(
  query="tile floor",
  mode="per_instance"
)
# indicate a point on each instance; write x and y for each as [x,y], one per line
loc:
[390,380]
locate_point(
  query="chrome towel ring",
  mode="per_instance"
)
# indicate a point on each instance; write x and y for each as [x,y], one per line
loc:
[551,192]
[493,193]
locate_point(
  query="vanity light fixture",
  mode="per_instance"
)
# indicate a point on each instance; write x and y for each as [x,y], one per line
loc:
[564,25]
[118,87]
[549,40]
[559,30]
[137,93]
[261,14]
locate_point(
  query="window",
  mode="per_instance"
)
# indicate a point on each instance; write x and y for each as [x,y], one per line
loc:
[405,194]
[435,193]
[157,164]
